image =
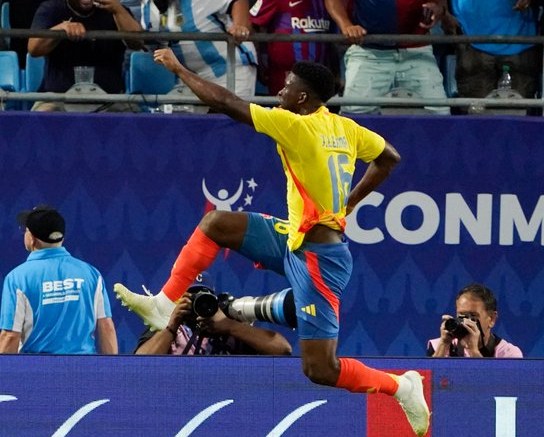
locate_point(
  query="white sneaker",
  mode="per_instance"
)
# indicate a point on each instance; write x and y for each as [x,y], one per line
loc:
[145,306]
[413,402]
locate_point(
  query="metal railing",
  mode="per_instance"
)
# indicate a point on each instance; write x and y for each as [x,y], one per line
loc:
[160,99]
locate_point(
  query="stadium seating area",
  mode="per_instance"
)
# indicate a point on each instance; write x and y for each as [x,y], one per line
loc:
[144,77]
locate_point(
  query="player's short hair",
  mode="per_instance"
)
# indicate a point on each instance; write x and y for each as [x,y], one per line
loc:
[319,78]
[481,292]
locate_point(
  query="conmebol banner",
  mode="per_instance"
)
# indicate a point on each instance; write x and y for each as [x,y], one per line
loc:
[465,204]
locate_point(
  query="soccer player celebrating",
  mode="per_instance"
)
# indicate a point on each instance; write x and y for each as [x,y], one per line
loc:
[318,150]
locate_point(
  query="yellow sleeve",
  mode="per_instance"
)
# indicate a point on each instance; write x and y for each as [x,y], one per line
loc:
[370,145]
[275,122]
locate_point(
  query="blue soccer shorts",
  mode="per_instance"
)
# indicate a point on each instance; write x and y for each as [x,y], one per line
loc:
[318,273]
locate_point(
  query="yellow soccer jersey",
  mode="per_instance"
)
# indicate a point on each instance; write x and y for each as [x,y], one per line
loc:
[318,153]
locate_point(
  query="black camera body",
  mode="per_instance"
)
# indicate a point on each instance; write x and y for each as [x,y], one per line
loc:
[205,302]
[456,326]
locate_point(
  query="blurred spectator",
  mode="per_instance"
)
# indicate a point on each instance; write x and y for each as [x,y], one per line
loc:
[291,17]
[76,17]
[470,333]
[54,303]
[373,70]
[134,7]
[208,58]
[480,65]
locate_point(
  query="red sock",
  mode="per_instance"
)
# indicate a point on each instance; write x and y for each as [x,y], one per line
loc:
[195,257]
[358,378]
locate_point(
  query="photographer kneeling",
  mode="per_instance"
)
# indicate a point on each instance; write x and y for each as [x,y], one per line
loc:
[211,332]
[469,334]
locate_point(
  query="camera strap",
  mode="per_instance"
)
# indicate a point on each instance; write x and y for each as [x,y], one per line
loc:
[456,350]
[488,350]
[196,341]
[219,345]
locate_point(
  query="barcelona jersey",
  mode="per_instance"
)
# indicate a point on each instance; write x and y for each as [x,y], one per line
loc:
[292,17]
[318,153]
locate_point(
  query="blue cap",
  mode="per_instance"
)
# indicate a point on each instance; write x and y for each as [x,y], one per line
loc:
[202,280]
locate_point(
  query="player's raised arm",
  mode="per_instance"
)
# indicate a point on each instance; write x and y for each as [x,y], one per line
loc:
[215,96]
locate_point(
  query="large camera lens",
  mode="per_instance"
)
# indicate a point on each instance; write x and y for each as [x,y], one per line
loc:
[456,327]
[205,304]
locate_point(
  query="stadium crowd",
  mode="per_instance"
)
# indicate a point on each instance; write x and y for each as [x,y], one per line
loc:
[363,70]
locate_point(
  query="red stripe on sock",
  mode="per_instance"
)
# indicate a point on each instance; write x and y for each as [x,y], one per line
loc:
[195,257]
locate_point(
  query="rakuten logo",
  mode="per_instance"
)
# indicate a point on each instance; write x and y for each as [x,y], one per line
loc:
[513,220]
[309,24]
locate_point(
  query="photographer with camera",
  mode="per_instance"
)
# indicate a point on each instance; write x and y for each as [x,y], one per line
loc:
[198,327]
[469,334]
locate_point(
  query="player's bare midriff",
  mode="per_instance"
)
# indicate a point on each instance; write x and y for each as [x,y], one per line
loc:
[323,234]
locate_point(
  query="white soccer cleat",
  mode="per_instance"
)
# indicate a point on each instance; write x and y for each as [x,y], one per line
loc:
[413,403]
[145,306]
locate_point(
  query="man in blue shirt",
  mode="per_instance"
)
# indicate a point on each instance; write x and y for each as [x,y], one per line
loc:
[480,65]
[54,303]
